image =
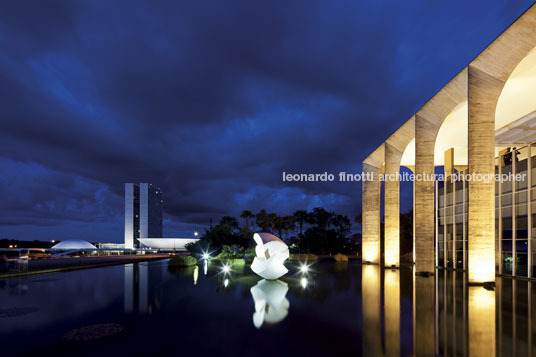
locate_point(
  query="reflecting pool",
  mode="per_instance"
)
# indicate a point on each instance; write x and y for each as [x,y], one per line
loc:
[331,309]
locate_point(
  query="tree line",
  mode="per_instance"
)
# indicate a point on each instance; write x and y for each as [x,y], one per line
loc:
[317,231]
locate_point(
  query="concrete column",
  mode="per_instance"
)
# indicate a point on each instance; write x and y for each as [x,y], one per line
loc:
[483,93]
[423,203]
[392,206]
[371,214]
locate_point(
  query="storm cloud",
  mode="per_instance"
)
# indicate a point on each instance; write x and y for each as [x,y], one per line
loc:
[211,101]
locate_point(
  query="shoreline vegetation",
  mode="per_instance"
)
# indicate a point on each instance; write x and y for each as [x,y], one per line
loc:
[317,232]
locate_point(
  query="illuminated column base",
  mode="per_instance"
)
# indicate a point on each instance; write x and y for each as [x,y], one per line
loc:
[371,216]
[481,159]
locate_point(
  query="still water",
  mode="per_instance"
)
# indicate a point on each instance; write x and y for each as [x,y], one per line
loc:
[335,309]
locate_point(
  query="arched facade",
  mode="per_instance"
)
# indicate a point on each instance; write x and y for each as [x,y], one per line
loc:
[473,95]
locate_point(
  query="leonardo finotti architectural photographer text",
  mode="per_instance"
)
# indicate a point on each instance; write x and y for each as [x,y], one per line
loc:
[405,176]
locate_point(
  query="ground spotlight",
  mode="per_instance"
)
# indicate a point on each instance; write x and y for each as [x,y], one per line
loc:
[226,269]
[304,269]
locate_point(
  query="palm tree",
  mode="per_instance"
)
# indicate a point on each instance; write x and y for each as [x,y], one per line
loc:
[246,215]
[321,218]
[229,221]
[301,217]
[279,225]
[289,224]
[272,217]
[261,219]
[342,224]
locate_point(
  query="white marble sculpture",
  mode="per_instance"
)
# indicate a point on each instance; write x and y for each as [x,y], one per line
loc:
[271,305]
[271,253]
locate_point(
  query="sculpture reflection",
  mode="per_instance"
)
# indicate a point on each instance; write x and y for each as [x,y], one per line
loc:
[271,304]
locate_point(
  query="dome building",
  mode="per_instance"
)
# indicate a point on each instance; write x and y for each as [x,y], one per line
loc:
[73,244]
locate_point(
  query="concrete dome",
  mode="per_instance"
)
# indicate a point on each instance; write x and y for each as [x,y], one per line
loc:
[74,244]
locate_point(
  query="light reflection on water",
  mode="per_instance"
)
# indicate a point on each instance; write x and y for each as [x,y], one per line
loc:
[336,308]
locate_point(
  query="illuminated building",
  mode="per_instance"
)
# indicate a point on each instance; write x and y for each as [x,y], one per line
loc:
[482,122]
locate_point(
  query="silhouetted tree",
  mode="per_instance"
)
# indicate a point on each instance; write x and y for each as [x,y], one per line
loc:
[246,214]
[301,217]
[261,219]
[271,219]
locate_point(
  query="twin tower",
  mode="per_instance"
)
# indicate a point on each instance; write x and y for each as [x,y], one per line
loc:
[143,213]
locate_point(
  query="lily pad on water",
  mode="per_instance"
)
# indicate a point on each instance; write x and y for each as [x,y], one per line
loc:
[93,332]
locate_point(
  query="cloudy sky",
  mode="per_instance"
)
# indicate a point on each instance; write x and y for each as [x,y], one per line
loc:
[211,101]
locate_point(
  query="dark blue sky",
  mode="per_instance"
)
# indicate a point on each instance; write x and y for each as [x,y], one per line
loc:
[211,101]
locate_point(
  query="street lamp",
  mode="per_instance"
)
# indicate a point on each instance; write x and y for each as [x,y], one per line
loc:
[196,234]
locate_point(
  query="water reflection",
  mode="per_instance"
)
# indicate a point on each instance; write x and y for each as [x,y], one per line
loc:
[303,283]
[336,309]
[392,312]
[271,305]
[142,287]
[196,274]
[372,333]
[424,315]
[449,316]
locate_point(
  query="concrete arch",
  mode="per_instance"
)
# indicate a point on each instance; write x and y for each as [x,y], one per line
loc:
[395,146]
[487,76]
[428,121]
[371,190]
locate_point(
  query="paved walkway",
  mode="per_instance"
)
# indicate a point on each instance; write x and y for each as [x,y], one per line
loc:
[54,265]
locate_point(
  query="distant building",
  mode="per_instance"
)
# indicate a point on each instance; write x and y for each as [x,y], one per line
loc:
[167,244]
[110,246]
[73,244]
[143,213]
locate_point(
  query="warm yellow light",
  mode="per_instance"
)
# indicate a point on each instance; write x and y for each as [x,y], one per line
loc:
[371,295]
[391,256]
[481,321]
[392,312]
[481,265]
[370,252]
